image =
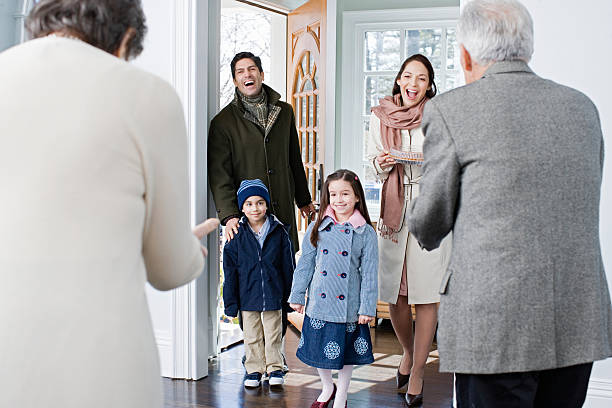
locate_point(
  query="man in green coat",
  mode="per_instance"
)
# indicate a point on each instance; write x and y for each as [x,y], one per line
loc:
[255,136]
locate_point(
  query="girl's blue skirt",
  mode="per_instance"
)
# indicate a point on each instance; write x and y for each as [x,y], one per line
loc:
[334,345]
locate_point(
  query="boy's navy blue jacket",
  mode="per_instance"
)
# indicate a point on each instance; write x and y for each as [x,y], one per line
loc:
[256,278]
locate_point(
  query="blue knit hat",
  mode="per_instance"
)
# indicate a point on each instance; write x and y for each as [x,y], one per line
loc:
[250,188]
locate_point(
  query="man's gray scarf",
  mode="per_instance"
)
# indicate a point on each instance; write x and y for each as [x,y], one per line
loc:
[256,106]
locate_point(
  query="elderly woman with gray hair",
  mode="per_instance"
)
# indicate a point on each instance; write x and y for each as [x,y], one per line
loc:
[95,203]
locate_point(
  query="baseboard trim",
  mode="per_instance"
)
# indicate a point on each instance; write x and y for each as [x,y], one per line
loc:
[600,388]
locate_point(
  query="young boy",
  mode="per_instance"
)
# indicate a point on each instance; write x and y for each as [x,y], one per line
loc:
[258,264]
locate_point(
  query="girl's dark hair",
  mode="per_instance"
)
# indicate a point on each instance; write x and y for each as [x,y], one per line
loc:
[430,71]
[352,178]
[101,23]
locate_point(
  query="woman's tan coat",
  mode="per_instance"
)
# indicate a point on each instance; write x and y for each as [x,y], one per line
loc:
[424,270]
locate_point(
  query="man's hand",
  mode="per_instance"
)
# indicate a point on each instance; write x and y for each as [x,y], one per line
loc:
[363,319]
[231,228]
[385,161]
[298,308]
[308,210]
[205,228]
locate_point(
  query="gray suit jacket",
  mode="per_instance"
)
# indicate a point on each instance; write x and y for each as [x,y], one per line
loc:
[513,166]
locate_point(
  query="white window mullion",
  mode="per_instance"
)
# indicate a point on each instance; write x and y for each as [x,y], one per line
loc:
[403,55]
[442,81]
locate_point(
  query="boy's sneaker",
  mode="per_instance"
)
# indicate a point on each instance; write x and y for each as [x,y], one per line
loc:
[252,380]
[276,378]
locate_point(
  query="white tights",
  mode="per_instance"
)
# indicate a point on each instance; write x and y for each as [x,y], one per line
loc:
[344,380]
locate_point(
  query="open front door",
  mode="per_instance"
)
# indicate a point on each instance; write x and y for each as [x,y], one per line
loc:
[306,87]
[305,90]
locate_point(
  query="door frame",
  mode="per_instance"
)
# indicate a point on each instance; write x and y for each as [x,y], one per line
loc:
[329,161]
[194,306]
[20,15]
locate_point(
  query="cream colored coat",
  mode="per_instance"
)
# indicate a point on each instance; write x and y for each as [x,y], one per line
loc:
[94,203]
[424,270]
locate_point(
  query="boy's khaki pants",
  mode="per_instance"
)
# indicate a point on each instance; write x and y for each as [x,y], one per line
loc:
[258,326]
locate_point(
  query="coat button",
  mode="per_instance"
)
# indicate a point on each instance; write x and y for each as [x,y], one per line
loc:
[341,297]
[270,171]
[325,252]
[324,273]
[323,295]
[267,139]
[347,231]
[328,228]
[344,253]
[342,275]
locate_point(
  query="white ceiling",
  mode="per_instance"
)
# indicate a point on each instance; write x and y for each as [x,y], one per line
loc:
[287,5]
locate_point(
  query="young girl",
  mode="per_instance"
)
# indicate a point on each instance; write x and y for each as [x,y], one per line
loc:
[339,265]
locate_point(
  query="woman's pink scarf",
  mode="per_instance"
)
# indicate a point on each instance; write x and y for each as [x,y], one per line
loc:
[393,119]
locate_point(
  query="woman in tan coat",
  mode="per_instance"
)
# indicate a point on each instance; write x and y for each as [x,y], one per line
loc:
[95,202]
[407,274]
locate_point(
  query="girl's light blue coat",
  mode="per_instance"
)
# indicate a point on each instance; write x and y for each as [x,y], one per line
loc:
[341,273]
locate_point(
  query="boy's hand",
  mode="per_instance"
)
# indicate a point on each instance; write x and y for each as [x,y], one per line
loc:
[363,319]
[298,308]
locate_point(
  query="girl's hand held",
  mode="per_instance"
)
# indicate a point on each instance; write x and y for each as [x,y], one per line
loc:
[298,308]
[363,319]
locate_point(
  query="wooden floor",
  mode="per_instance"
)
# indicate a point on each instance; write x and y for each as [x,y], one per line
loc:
[372,386]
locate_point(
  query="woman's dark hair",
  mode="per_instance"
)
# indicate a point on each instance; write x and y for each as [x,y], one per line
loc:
[350,177]
[101,23]
[243,55]
[423,60]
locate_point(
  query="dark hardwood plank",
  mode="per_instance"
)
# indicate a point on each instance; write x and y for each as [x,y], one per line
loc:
[372,385]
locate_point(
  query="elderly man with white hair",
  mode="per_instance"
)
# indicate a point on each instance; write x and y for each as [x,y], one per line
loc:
[513,166]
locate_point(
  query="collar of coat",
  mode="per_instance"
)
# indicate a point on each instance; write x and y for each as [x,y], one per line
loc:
[503,67]
[273,108]
[274,222]
[356,219]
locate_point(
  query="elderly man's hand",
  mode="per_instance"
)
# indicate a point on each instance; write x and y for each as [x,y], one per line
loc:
[308,210]
[205,228]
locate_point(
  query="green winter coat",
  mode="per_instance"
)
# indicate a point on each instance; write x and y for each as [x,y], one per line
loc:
[239,149]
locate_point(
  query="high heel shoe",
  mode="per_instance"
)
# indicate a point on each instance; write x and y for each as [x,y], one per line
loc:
[414,401]
[325,404]
[401,379]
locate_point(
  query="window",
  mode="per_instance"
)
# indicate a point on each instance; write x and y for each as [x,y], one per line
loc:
[383,53]
[381,45]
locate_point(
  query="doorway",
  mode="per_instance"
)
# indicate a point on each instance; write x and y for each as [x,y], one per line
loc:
[246,26]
